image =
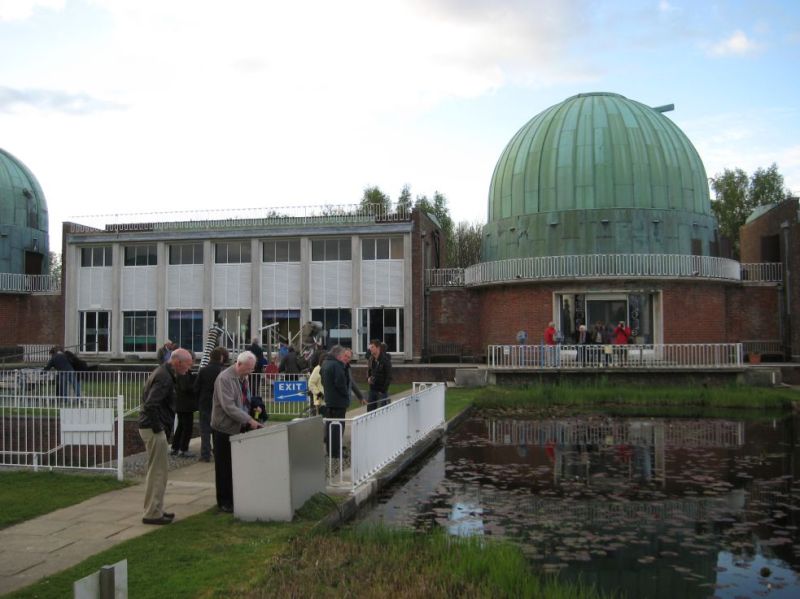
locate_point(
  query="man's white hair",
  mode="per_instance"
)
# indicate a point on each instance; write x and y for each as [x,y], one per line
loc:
[246,356]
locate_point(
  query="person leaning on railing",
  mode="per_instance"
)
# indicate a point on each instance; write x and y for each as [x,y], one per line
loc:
[337,395]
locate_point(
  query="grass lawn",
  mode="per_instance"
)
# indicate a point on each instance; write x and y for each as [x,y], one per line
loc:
[25,494]
[214,555]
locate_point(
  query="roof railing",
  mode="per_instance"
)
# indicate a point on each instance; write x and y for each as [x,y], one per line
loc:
[40,284]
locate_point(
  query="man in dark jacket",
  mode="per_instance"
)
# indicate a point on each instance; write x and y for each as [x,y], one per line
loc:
[379,375]
[291,362]
[156,416]
[65,373]
[204,387]
[337,394]
[185,407]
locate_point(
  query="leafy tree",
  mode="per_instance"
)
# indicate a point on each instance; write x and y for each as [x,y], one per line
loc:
[404,199]
[55,264]
[374,196]
[464,245]
[736,196]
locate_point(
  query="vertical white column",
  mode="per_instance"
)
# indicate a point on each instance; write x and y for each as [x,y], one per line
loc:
[208,284]
[255,291]
[117,258]
[355,257]
[305,280]
[162,328]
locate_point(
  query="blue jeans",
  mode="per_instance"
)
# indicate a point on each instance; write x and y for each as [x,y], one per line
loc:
[377,399]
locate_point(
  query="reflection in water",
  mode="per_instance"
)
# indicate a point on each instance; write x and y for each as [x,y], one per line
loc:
[645,507]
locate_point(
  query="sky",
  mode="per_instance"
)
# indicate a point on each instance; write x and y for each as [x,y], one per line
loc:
[123,106]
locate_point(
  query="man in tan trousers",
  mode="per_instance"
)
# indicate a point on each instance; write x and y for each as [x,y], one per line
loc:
[156,418]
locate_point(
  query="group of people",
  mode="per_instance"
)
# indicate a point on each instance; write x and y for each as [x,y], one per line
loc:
[601,345]
[221,394]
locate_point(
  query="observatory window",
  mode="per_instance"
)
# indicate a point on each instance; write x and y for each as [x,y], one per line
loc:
[140,255]
[95,331]
[337,324]
[382,249]
[235,252]
[185,327]
[96,256]
[325,250]
[139,331]
[186,253]
[282,250]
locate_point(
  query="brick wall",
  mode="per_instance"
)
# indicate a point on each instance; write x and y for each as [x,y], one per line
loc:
[454,316]
[31,319]
[508,309]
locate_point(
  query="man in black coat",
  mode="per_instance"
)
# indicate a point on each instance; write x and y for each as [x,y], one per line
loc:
[156,416]
[379,375]
[204,387]
[185,407]
[336,384]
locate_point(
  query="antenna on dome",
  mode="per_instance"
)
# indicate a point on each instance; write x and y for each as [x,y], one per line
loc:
[664,108]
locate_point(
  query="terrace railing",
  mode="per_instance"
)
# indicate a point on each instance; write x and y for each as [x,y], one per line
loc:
[762,272]
[372,440]
[649,356]
[444,277]
[628,266]
[40,284]
[238,218]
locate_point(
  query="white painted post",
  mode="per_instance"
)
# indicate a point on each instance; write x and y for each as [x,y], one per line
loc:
[120,439]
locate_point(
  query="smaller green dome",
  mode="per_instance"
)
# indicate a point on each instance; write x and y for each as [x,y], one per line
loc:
[24,226]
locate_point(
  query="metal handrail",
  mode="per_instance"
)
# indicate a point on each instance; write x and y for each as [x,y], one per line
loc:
[645,356]
[590,266]
[238,218]
[762,272]
[11,282]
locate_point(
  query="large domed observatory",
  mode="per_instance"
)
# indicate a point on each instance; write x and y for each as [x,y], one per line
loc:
[24,239]
[599,174]
[599,211]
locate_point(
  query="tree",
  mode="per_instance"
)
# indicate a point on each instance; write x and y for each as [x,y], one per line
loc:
[373,196]
[736,196]
[465,248]
[55,265]
[404,199]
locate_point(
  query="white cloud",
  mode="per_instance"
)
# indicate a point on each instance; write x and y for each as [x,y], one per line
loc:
[736,44]
[17,10]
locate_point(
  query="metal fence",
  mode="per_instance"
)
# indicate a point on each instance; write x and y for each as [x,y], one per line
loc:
[62,432]
[763,272]
[372,440]
[444,277]
[238,218]
[35,382]
[772,347]
[19,283]
[649,356]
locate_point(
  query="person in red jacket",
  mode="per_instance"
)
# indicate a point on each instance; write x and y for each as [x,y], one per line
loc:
[621,336]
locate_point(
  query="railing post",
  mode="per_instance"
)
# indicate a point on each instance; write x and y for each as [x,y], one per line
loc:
[120,438]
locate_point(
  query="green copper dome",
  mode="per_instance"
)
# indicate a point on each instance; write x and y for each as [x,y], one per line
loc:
[24,240]
[599,173]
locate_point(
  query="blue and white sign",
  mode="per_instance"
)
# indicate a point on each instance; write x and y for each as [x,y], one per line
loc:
[290,390]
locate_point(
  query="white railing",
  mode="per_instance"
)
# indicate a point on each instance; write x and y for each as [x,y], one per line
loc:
[762,272]
[629,266]
[62,432]
[372,440]
[649,356]
[263,385]
[17,283]
[444,277]
[237,218]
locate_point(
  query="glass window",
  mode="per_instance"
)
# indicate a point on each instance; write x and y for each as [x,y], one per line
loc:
[330,249]
[234,252]
[288,325]
[140,255]
[397,248]
[186,253]
[337,326]
[367,249]
[185,327]
[139,331]
[287,250]
[236,324]
[96,256]
[386,324]
[95,332]
[382,249]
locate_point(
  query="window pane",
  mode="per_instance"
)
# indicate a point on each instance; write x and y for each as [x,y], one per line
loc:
[245,252]
[130,256]
[152,259]
[198,253]
[294,250]
[397,248]
[382,249]
[269,251]
[344,249]
[221,253]
[281,251]
[107,254]
[97,256]
[317,251]
[331,249]
[86,256]
[174,252]
[367,249]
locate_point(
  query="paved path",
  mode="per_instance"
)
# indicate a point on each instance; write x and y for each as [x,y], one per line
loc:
[43,546]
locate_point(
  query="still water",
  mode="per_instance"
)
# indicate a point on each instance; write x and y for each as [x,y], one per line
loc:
[644,507]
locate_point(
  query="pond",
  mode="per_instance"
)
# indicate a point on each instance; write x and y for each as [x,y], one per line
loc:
[644,507]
